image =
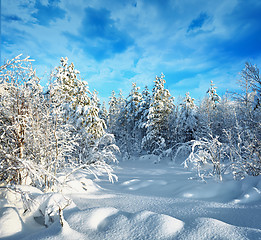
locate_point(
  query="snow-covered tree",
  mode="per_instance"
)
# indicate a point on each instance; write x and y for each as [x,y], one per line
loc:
[208,113]
[187,121]
[142,113]
[80,109]
[132,105]
[157,136]
[26,136]
[113,112]
[213,97]
[42,134]
[248,83]
[117,119]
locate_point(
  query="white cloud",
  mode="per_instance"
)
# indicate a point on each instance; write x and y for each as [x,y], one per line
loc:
[161,43]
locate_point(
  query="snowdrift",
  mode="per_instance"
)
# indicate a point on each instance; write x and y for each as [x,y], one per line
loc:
[150,201]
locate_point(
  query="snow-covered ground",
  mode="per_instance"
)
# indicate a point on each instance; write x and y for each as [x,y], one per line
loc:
[149,201]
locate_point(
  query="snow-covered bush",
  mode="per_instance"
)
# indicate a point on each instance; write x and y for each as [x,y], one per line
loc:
[244,152]
[206,156]
[22,116]
[239,156]
[41,134]
[51,208]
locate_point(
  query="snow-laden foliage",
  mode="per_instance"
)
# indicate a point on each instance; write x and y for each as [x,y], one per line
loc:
[44,133]
[143,111]
[154,123]
[244,153]
[80,109]
[187,121]
[132,132]
[206,156]
[157,136]
[103,114]
[24,132]
[213,97]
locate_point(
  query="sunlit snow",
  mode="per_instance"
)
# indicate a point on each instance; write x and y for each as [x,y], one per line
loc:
[150,201]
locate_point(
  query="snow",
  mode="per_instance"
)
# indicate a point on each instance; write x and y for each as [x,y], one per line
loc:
[149,201]
[9,221]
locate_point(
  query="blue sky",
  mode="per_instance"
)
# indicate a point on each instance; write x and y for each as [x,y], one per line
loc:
[116,42]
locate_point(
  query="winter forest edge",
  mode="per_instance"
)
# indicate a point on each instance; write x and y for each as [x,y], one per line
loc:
[47,135]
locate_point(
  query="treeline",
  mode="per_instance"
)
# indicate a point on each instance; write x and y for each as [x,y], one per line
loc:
[222,133]
[64,129]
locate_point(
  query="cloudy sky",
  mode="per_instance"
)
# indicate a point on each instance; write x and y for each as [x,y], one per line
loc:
[116,42]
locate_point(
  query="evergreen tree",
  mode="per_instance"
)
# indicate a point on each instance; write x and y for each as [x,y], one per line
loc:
[213,97]
[187,121]
[157,136]
[132,105]
[113,112]
[81,109]
[142,115]
[117,119]
[122,127]
[209,114]
[103,114]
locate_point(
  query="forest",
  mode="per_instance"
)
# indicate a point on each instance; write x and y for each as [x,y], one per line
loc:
[65,128]
[181,169]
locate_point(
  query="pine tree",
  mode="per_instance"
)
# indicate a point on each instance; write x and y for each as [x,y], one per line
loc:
[132,105]
[213,97]
[187,121]
[142,115]
[113,112]
[157,135]
[79,107]
[209,114]
[103,114]
[121,129]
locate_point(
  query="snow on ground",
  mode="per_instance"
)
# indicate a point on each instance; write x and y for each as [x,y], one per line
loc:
[150,201]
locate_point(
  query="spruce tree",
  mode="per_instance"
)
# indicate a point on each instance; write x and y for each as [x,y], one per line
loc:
[132,105]
[142,115]
[79,108]
[157,137]
[187,121]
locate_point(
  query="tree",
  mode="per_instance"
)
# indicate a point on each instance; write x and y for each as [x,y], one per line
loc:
[132,105]
[80,108]
[26,147]
[187,121]
[250,84]
[42,134]
[208,113]
[113,112]
[213,97]
[157,135]
[142,114]
[103,114]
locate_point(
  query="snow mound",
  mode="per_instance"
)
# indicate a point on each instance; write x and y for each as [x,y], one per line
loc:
[10,197]
[247,190]
[49,206]
[110,223]
[251,190]
[9,221]
[209,228]
[224,192]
